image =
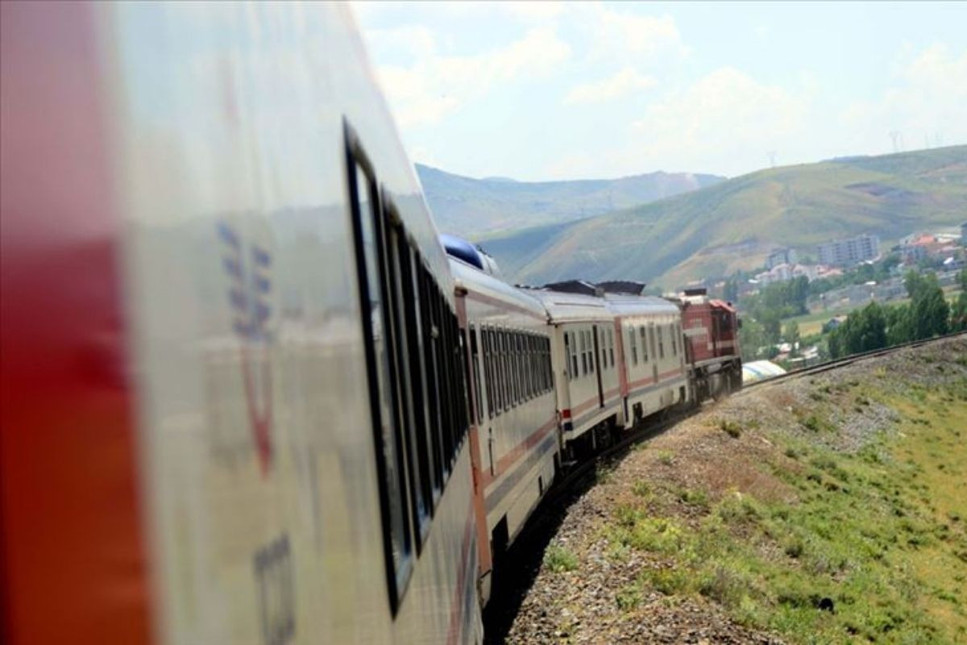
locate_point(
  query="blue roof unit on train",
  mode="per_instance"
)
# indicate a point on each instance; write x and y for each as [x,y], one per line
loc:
[470,253]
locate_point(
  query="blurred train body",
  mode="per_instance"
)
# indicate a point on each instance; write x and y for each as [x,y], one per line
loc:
[247,397]
[222,299]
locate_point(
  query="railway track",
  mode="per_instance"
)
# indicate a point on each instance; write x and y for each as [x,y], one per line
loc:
[842,362]
[521,563]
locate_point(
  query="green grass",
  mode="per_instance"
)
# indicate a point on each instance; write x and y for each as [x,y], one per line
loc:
[558,559]
[878,533]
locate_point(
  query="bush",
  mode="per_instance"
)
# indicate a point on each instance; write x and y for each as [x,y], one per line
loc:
[558,559]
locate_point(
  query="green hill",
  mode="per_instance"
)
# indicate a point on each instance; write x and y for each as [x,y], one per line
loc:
[734,224]
[475,207]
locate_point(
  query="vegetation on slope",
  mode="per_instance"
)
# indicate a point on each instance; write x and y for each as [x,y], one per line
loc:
[873,545]
[826,510]
[732,225]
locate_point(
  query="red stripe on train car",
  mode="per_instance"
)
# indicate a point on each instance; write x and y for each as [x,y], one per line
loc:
[507,461]
[72,555]
[590,403]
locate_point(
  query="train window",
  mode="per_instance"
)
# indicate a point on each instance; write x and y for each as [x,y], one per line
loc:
[475,368]
[516,353]
[661,342]
[488,343]
[574,355]
[509,358]
[651,339]
[543,365]
[674,345]
[528,366]
[376,320]
[584,352]
[525,356]
[644,344]
[508,371]
[504,370]
[611,347]
[569,356]
[431,350]
[535,370]
[591,356]
[495,373]
[445,356]
[633,344]
[461,413]
[549,373]
[399,266]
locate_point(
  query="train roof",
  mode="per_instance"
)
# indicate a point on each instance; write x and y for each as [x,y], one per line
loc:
[476,281]
[571,307]
[629,305]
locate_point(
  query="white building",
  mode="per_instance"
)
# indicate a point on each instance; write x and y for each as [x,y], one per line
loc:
[850,251]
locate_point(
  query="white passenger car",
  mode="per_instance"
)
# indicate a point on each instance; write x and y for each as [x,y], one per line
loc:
[654,374]
[515,422]
[584,354]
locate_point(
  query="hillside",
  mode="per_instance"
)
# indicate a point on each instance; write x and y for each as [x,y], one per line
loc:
[475,207]
[734,224]
[824,510]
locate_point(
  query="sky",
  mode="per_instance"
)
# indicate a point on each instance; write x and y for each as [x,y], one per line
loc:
[548,90]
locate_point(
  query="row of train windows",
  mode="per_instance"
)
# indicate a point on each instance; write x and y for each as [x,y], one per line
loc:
[648,335]
[579,348]
[516,367]
[415,367]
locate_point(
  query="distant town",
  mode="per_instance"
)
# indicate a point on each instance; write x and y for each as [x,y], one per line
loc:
[792,306]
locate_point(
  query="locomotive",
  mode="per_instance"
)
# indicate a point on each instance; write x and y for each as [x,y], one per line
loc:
[247,394]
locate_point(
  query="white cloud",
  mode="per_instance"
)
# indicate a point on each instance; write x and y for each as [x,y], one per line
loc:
[724,108]
[532,11]
[630,37]
[621,84]
[435,86]
[413,41]
[926,100]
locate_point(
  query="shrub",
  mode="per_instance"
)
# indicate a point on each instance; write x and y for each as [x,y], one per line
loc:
[558,559]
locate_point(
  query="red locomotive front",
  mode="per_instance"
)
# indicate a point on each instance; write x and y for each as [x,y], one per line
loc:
[712,343]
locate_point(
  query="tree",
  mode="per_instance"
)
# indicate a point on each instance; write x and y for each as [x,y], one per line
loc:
[929,311]
[899,326]
[751,338]
[958,313]
[863,331]
[791,333]
[871,328]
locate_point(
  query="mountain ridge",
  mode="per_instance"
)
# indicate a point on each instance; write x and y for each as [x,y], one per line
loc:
[734,224]
[482,207]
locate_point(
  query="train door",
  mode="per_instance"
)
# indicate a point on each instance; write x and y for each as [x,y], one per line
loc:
[599,364]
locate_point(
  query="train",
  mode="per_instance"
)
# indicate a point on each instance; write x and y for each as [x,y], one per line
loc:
[249,395]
